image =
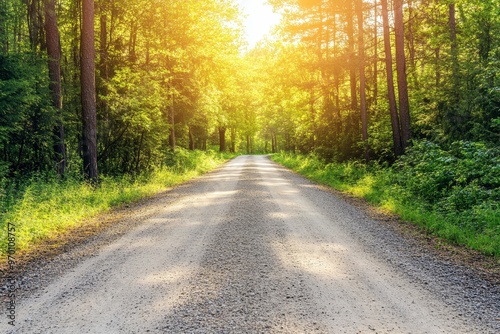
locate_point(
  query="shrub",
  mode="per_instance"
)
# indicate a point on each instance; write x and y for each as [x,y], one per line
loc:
[454,192]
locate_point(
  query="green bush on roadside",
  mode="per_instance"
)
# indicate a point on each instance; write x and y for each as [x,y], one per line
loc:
[453,193]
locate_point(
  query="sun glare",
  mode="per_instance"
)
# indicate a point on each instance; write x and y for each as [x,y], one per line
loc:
[259,20]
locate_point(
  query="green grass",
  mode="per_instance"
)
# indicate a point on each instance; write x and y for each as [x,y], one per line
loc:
[45,206]
[477,226]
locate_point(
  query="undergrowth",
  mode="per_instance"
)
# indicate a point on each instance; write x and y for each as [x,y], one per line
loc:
[454,193]
[44,206]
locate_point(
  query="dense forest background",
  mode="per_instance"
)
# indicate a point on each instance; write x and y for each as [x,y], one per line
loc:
[343,79]
[368,76]
[162,78]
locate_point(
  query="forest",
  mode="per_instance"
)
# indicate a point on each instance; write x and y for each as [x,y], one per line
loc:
[102,90]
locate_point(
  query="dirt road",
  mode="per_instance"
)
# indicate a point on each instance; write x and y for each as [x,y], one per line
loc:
[254,248]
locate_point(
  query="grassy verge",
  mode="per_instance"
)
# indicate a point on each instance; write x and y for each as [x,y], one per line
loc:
[46,206]
[464,213]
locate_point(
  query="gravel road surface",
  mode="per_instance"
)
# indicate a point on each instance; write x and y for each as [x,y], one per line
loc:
[253,248]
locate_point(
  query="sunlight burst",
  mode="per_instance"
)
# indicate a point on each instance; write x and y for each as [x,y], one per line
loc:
[259,21]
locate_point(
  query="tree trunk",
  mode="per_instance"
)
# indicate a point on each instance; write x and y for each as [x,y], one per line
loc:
[453,29]
[362,78]
[132,42]
[404,103]
[139,150]
[191,139]
[396,134]
[338,121]
[485,33]
[222,139]
[233,140]
[411,42]
[336,83]
[352,65]
[34,23]
[455,79]
[312,112]
[274,143]
[171,137]
[88,95]
[438,67]
[53,44]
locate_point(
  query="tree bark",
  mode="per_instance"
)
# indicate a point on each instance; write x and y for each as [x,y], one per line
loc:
[312,115]
[454,55]
[139,150]
[352,65]
[132,42]
[411,42]
[274,143]
[191,138]
[53,44]
[404,103]
[233,140]
[362,78]
[453,28]
[171,137]
[88,95]
[222,139]
[336,83]
[338,121]
[437,53]
[34,22]
[396,134]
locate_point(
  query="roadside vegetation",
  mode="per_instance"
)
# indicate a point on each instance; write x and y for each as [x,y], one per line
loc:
[453,193]
[45,205]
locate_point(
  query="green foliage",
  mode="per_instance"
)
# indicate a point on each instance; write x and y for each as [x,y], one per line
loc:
[26,117]
[453,193]
[462,184]
[467,170]
[44,206]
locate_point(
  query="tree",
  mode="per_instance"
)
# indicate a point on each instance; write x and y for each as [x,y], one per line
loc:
[53,44]
[171,116]
[404,102]
[362,77]
[396,133]
[88,94]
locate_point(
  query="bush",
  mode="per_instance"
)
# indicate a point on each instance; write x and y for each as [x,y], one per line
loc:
[454,192]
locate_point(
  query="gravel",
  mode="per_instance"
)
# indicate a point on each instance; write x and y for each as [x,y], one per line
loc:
[251,248]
